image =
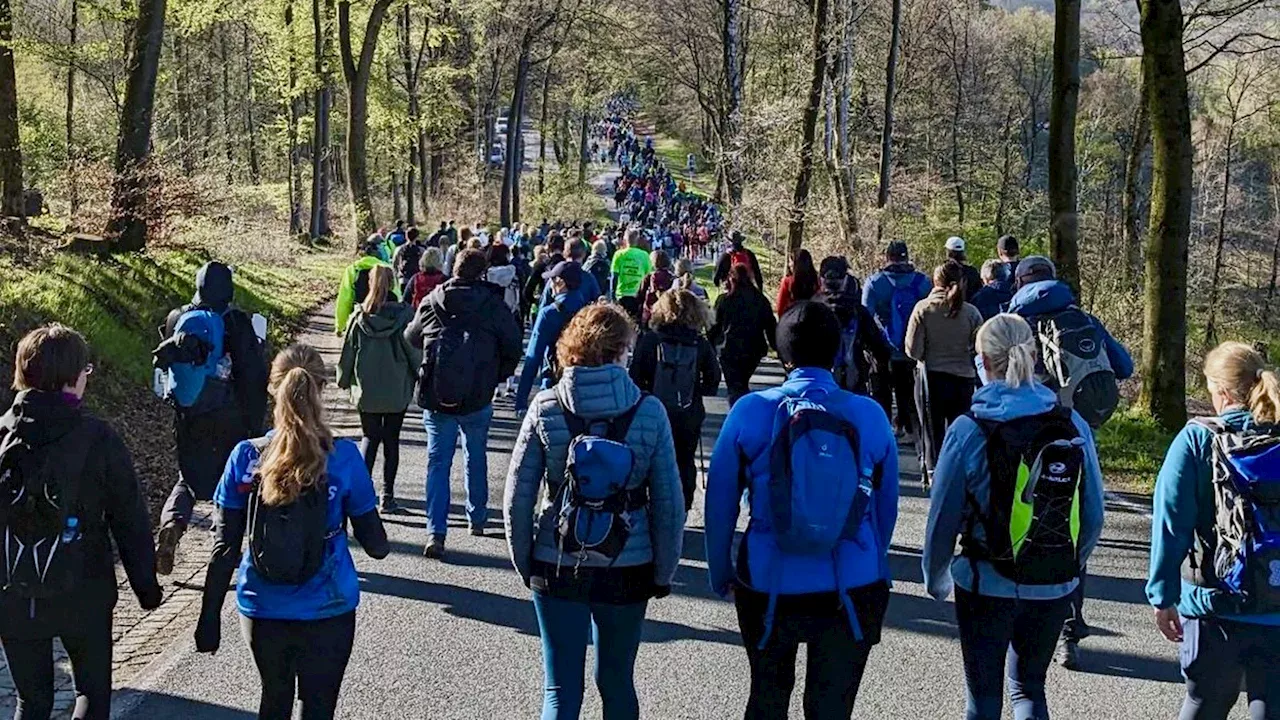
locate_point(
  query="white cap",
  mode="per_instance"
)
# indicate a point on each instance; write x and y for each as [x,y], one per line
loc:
[955,244]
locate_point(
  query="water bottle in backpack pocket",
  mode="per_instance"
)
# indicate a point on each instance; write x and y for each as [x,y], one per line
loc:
[1031,521]
[594,505]
[1074,354]
[288,544]
[1242,556]
[675,380]
[195,365]
[39,514]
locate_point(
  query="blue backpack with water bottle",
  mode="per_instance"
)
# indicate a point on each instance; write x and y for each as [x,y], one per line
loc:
[195,365]
[1241,557]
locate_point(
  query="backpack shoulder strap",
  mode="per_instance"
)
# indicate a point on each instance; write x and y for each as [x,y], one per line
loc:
[621,425]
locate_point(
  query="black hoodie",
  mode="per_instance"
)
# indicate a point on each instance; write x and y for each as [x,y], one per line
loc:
[846,301]
[111,506]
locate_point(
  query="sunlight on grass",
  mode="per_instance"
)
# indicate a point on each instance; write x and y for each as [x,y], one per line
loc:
[1132,448]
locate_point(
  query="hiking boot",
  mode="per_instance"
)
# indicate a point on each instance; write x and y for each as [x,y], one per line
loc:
[477,530]
[167,548]
[388,505]
[1069,654]
[435,548]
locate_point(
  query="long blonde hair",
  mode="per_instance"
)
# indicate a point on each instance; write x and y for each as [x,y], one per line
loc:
[299,449]
[379,285]
[1009,348]
[1242,372]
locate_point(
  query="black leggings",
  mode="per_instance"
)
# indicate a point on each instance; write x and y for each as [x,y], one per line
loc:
[31,666]
[737,376]
[310,655]
[947,398]
[686,432]
[382,429]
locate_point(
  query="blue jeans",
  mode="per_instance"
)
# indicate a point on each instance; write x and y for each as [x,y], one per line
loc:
[442,441]
[1002,637]
[567,627]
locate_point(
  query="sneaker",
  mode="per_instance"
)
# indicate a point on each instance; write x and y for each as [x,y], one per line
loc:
[477,531]
[435,548]
[1069,654]
[167,548]
[388,505]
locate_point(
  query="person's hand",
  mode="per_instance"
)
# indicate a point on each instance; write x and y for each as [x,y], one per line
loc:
[149,598]
[208,633]
[1169,624]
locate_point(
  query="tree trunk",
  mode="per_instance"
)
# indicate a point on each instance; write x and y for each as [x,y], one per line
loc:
[542,130]
[295,165]
[511,166]
[357,72]
[227,134]
[127,227]
[10,146]
[1164,357]
[396,204]
[734,65]
[1006,168]
[1064,224]
[584,126]
[1140,138]
[808,124]
[73,179]
[1275,249]
[320,129]
[886,133]
[1220,242]
[251,128]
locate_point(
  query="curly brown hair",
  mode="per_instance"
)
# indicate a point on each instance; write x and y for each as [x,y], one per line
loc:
[679,307]
[597,335]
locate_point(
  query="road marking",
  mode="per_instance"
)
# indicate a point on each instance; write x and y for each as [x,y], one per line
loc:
[1128,505]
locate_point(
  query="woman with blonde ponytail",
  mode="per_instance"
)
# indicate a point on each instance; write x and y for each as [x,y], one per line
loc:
[1002,607]
[1226,635]
[300,630]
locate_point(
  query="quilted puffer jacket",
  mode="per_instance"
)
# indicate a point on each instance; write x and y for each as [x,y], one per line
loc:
[539,459]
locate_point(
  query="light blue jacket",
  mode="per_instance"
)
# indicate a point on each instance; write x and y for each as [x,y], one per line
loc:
[744,445]
[1181,507]
[962,471]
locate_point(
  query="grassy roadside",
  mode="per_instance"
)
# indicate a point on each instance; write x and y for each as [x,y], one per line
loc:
[119,302]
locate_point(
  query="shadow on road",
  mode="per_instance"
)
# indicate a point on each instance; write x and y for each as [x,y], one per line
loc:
[160,705]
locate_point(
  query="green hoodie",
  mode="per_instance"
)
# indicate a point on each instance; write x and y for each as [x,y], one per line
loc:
[347,290]
[377,364]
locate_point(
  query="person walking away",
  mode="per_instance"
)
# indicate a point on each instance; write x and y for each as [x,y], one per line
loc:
[589,289]
[955,247]
[860,337]
[470,342]
[429,276]
[737,254]
[940,336]
[743,330]
[687,281]
[891,295]
[677,364]
[355,284]
[524,271]
[406,260]
[1018,481]
[439,238]
[1083,363]
[539,357]
[997,289]
[655,283]
[506,276]
[379,368]
[605,453]
[67,489]
[1009,252]
[535,289]
[292,493]
[800,282]
[1213,540]
[820,468]
[214,371]
[598,264]
[630,266]
[462,242]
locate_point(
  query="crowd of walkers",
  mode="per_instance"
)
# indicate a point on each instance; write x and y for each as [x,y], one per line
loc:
[995,376]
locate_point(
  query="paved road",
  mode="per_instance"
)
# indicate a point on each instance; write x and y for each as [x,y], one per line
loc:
[458,639]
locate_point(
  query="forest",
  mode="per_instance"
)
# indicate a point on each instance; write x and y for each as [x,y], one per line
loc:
[1136,143]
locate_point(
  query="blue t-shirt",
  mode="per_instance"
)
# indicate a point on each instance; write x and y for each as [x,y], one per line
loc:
[335,589]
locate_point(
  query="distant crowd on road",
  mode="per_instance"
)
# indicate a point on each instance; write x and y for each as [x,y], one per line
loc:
[607,344]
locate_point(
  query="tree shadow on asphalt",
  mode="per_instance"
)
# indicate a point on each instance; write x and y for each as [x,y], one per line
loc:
[162,705]
[515,613]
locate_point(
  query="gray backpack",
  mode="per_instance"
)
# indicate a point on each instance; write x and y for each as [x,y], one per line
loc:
[1076,366]
[675,382]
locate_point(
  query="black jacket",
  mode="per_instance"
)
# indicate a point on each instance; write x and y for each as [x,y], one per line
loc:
[644,361]
[744,326]
[533,286]
[871,338]
[111,505]
[972,281]
[993,299]
[725,264]
[477,306]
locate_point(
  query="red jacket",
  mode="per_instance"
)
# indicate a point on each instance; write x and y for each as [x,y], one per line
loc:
[422,285]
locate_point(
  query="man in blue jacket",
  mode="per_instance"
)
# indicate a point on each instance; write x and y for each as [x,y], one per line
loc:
[833,601]
[997,289]
[564,280]
[891,294]
[1040,293]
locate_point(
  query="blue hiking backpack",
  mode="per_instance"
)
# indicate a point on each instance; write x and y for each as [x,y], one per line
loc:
[902,301]
[196,367]
[845,367]
[1241,557]
[819,495]
[593,504]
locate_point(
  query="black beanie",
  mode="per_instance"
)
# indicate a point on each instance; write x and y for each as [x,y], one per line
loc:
[808,335]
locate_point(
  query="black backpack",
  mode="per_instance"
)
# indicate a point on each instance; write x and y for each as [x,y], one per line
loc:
[449,367]
[39,514]
[675,377]
[1031,518]
[288,543]
[409,259]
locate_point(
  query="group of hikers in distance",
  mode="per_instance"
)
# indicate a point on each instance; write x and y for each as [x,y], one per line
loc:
[994,375]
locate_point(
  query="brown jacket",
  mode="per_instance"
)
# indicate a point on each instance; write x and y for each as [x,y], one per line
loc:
[943,344]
